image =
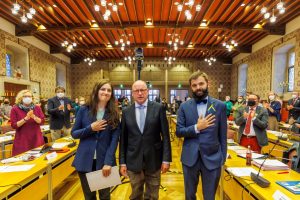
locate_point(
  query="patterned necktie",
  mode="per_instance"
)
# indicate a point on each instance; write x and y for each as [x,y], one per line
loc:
[248,123]
[142,117]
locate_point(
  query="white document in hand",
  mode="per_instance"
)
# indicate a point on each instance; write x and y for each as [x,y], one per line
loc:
[97,181]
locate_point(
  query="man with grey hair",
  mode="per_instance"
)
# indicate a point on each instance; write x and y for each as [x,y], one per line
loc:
[145,148]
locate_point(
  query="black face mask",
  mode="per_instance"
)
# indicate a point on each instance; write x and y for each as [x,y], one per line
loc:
[6,102]
[251,103]
[200,97]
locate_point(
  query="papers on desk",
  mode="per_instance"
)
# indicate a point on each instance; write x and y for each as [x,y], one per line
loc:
[270,164]
[254,155]
[12,133]
[59,145]
[242,171]
[15,168]
[11,160]
[5,138]
[97,181]
[45,127]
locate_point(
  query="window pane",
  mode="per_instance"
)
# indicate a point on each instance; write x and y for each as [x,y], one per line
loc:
[292,59]
[8,65]
[291,79]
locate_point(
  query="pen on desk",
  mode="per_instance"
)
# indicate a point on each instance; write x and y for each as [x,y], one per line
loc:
[283,172]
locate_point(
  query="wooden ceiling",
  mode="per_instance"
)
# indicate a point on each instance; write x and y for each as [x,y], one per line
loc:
[225,19]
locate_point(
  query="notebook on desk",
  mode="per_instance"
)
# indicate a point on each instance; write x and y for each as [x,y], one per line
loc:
[292,186]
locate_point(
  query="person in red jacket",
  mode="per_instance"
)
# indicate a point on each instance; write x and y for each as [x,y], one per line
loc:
[26,118]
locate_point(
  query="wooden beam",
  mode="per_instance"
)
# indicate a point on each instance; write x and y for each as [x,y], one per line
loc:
[243,49]
[275,30]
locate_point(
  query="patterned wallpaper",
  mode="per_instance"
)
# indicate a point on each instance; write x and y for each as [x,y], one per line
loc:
[260,67]
[153,70]
[42,66]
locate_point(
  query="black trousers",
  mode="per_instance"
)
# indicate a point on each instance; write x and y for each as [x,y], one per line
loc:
[104,194]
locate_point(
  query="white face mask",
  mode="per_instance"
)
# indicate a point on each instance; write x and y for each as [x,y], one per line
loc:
[240,100]
[60,94]
[294,96]
[271,97]
[81,102]
[27,100]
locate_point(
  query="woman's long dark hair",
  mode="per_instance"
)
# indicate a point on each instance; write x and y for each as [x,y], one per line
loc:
[111,108]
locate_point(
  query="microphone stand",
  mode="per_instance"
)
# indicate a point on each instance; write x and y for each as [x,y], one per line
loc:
[262,182]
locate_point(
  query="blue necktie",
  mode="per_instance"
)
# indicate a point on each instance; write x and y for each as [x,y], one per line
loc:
[142,118]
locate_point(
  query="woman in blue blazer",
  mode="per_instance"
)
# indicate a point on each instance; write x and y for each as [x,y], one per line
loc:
[97,126]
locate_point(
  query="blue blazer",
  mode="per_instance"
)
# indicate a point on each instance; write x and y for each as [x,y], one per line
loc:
[211,142]
[104,142]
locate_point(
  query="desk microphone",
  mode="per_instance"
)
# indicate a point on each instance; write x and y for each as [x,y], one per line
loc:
[262,182]
[73,144]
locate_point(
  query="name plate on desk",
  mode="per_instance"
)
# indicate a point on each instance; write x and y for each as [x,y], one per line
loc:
[280,196]
[51,156]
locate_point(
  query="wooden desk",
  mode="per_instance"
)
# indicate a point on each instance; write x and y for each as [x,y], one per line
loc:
[234,187]
[40,181]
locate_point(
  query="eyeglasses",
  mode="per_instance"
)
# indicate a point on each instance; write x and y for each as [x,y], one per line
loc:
[139,91]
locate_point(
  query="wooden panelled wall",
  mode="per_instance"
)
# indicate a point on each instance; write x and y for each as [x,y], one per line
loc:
[42,65]
[161,75]
[259,63]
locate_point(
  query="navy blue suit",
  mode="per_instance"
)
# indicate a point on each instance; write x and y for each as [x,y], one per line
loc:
[202,153]
[104,142]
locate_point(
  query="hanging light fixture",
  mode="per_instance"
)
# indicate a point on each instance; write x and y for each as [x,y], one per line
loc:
[122,42]
[89,60]
[69,45]
[24,18]
[210,59]
[108,7]
[188,6]
[230,45]
[267,15]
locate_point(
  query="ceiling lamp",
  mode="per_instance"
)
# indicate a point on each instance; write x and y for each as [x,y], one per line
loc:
[174,40]
[122,42]
[108,7]
[24,18]
[89,60]
[210,60]
[168,58]
[281,10]
[69,46]
[230,45]
[188,6]
[129,59]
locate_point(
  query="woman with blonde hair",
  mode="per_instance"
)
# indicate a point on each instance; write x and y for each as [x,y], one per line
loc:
[26,118]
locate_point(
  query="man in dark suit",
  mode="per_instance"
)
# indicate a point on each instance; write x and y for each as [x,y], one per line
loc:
[59,109]
[145,149]
[294,108]
[202,122]
[253,122]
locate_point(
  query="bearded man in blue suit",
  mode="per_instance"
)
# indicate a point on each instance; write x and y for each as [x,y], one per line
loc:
[202,122]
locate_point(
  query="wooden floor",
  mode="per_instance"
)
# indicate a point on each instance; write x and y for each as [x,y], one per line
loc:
[172,183]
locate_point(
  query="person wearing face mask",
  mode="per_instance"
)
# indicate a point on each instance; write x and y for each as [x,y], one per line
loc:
[274,108]
[26,118]
[229,105]
[97,126]
[6,109]
[238,104]
[294,108]
[80,102]
[59,109]
[202,122]
[253,122]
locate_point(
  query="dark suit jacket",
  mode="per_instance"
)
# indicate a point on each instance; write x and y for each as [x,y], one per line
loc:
[276,106]
[59,118]
[295,112]
[211,142]
[145,151]
[103,142]
[260,124]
